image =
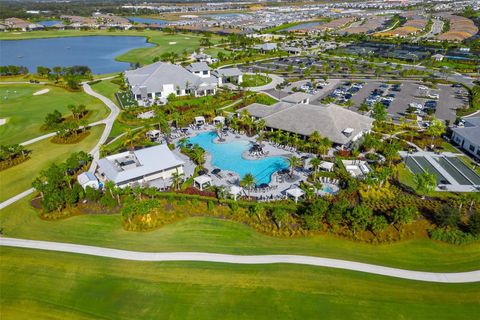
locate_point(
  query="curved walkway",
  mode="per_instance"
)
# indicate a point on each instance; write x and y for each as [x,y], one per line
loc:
[108,121]
[459,277]
[276,80]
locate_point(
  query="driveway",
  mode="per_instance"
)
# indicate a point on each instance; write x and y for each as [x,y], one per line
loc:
[276,80]
[459,277]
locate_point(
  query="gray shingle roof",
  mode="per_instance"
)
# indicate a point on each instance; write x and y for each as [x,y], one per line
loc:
[154,76]
[198,66]
[229,72]
[259,110]
[329,121]
[297,97]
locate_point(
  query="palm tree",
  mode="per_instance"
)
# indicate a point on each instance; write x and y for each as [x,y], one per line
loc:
[294,162]
[219,128]
[260,138]
[182,142]
[248,182]
[315,163]
[261,125]
[177,179]
[198,155]
[315,137]
[129,139]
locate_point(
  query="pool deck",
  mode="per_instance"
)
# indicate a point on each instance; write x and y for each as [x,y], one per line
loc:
[279,184]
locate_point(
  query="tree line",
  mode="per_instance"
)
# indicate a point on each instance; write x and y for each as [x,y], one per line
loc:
[12,154]
[72,76]
[67,128]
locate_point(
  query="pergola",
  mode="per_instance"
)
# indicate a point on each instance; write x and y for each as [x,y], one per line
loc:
[235,191]
[295,193]
[199,121]
[201,181]
[218,119]
[328,166]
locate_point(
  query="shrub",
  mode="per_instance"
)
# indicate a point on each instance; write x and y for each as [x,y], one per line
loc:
[234,206]
[447,216]
[210,205]
[107,200]
[92,194]
[453,236]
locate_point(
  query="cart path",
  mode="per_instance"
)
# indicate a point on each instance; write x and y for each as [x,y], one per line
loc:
[108,122]
[458,277]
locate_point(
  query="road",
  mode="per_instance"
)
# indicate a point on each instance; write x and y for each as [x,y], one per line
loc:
[459,277]
[437,27]
[108,122]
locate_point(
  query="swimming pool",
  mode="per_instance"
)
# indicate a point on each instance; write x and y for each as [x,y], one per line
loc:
[228,156]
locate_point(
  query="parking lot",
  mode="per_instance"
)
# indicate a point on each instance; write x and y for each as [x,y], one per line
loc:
[398,97]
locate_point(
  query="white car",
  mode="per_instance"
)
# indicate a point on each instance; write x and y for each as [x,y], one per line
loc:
[422,88]
[416,105]
[433,95]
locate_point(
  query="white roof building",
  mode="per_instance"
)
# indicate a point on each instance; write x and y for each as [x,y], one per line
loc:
[88,179]
[140,166]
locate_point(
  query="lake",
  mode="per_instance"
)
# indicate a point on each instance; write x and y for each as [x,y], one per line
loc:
[306,25]
[97,52]
[147,20]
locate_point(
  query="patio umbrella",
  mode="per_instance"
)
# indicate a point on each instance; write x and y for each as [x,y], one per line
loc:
[216,171]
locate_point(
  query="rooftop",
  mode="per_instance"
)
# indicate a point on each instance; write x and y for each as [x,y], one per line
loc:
[126,166]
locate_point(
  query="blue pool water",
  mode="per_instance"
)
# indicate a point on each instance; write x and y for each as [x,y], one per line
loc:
[228,156]
[328,189]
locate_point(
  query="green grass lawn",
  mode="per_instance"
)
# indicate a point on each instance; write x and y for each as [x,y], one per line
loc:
[165,42]
[215,235]
[255,80]
[25,113]
[19,178]
[108,89]
[41,285]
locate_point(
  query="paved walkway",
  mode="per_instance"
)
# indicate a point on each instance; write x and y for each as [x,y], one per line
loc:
[115,111]
[276,80]
[108,122]
[459,277]
[13,199]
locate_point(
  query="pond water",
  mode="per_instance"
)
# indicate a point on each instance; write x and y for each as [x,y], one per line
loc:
[228,156]
[147,20]
[224,15]
[303,26]
[49,23]
[97,52]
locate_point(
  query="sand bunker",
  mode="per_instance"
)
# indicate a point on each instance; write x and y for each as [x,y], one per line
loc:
[174,42]
[3,121]
[41,92]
